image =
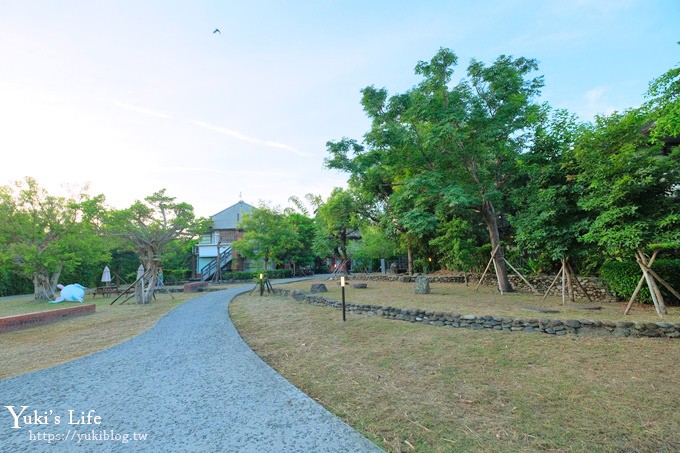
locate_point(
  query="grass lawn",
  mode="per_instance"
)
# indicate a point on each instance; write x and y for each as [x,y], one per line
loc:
[51,344]
[458,298]
[413,387]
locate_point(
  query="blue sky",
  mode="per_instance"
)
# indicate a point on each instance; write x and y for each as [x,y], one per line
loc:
[133,96]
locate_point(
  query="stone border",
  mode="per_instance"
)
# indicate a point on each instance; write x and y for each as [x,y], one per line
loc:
[581,327]
[596,287]
[39,318]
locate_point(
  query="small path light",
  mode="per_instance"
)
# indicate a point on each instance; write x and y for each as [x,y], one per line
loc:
[261,284]
[342,285]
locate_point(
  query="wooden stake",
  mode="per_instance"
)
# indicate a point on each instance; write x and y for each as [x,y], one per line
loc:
[487,267]
[564,272]
[553,283]
[521,276]
[653,289]
[579,283]
[495,268]
[664,283]
[570,283]
[639,285]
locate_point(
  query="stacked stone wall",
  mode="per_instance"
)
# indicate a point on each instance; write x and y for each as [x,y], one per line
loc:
[596,288]
[581,327]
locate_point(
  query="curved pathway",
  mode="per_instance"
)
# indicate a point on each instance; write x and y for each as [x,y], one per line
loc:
[189,383]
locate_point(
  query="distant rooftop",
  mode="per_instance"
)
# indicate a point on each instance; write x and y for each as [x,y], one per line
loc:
[229,218]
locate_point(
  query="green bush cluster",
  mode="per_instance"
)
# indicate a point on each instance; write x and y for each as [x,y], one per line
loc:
[255,275]
[623,276]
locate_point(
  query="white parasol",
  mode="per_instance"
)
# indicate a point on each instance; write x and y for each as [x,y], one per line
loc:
[106,275]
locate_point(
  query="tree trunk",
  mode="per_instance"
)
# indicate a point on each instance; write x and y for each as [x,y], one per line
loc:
[42,290]
[54,280]
[409,253]
[570,283]
[343,251]
[491,221]
[146,287]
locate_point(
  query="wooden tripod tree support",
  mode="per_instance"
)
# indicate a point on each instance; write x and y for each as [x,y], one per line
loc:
[140,279]
[341,268]
[491,261]
[568,278]
[533,290]
[493,253]
[651,277]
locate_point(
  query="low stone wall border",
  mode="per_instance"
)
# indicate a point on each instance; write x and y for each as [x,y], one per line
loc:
[557,327]
[28,320]
[597,289]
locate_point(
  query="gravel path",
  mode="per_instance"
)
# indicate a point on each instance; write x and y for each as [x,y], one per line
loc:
[190,383]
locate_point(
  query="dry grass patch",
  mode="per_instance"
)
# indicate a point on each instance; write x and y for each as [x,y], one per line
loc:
[412,387]
[458,298]
[44,346]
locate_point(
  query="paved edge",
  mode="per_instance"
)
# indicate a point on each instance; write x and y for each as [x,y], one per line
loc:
[181,384]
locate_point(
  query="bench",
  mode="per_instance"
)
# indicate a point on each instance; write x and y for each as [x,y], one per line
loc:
[106,291]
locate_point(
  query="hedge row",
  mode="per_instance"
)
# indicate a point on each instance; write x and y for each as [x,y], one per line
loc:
[255,275]
[623,276]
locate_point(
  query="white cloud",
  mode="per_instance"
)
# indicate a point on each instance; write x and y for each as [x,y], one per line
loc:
[595,102]
[245,138]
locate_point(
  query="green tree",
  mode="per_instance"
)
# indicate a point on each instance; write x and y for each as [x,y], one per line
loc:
[630,189]
[148,227]
[177,260]
[44,235]
[374,245]
[268,235]
[458,142]
[629,185]
[548,220]
[663,105]
[336,218]
[301,251]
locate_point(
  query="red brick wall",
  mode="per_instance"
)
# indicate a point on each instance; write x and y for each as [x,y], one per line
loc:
[29,320]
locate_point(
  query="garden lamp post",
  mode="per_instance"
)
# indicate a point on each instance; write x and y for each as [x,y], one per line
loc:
[342,286]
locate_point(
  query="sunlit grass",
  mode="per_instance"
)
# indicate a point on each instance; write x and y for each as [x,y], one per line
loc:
[414,387]
[465,300]
[51,344]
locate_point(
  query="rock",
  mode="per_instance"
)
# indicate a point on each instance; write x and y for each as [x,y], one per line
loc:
[422,285]
[319,288]
[296,293]
[359,285]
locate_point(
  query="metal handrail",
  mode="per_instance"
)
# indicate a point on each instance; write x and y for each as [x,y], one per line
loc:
[209,269]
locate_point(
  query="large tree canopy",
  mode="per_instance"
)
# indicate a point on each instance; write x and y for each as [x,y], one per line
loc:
[268,235]
[44,235]
[457,144]
[548,221]
[148,227]
[629,185]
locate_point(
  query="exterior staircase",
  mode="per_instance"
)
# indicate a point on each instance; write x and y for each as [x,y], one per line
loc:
[208,271]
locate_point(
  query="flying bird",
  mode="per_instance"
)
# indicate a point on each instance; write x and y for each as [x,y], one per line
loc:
[217,30]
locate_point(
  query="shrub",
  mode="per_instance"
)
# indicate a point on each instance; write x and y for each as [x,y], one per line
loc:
[255,275]
[623,276]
